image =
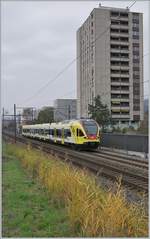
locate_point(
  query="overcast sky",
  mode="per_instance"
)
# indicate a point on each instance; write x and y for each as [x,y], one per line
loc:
[39,41]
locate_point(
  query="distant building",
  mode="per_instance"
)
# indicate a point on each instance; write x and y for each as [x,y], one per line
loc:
[110,46]
[65,109]
[29,114]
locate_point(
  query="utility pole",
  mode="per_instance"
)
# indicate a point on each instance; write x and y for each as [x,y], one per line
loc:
[32,114]
[3,118]
[69,111]
[15,121]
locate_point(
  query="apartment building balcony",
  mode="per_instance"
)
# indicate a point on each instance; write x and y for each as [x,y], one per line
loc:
[120,116]
[121,18]
[118,50]
[119,87]
[119,67]
[119,91]
[119,96]
[118,100]
[120,109]
[118,26]
[119,75]
[119,58]
[117,34]
[118,42]
[119,15]
[116,83]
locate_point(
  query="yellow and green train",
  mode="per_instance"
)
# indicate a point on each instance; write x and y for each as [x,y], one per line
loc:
[80,134]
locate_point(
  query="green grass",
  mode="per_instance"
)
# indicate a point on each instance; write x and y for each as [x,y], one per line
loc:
[27,209]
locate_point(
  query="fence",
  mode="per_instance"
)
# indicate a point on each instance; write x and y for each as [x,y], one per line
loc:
[138,143]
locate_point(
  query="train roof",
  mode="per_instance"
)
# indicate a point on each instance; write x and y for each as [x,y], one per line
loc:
[34,126]
[65,123]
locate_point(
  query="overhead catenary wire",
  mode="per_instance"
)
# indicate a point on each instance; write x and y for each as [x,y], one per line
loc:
[71,63]
[132,5]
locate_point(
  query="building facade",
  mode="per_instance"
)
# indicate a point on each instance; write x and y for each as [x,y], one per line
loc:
[110,63]
[65,109]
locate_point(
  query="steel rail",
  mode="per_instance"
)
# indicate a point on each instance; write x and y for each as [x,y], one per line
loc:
[123,160]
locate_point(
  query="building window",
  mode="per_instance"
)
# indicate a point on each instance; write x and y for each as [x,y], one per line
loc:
[136,60]
[125,23]
[125,80]
[135,57]
[135,44]
[114,30]
[136,53]
[136,50]
[124,31]
[123,14]
[122,63]
[135,15]
[124,39]
[114,14]
[115,46]
[135,33]
[136,101]
[124,47]
[135,21]
[136,37]
[135,29]
[136,77]
[114,38]
[136,107]
[136,69]
[114,22]
[124,71]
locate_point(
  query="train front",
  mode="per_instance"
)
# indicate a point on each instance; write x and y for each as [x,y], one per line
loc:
[92,131]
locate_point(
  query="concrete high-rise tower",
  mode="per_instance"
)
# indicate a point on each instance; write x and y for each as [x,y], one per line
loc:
[110,63]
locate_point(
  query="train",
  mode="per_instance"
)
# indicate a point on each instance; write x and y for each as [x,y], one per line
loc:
[79,134]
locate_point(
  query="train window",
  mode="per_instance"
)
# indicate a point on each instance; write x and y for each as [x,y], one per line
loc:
[58,132]
[46,131]
[52,132]
[80,133]
[90,127]
[67,133]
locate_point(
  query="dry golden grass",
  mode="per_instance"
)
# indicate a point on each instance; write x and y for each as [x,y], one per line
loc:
[92,211]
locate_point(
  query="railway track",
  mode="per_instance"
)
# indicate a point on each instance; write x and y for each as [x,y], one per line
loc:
[133,171]
[124,159]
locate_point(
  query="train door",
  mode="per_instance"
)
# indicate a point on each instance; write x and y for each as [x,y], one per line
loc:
[55,135]
[74,135]
[62,135]
[80,136]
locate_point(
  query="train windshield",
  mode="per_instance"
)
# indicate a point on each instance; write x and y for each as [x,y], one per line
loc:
[90,127]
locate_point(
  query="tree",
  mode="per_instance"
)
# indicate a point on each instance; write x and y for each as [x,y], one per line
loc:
[46,115]
[99,112]
[144,125]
